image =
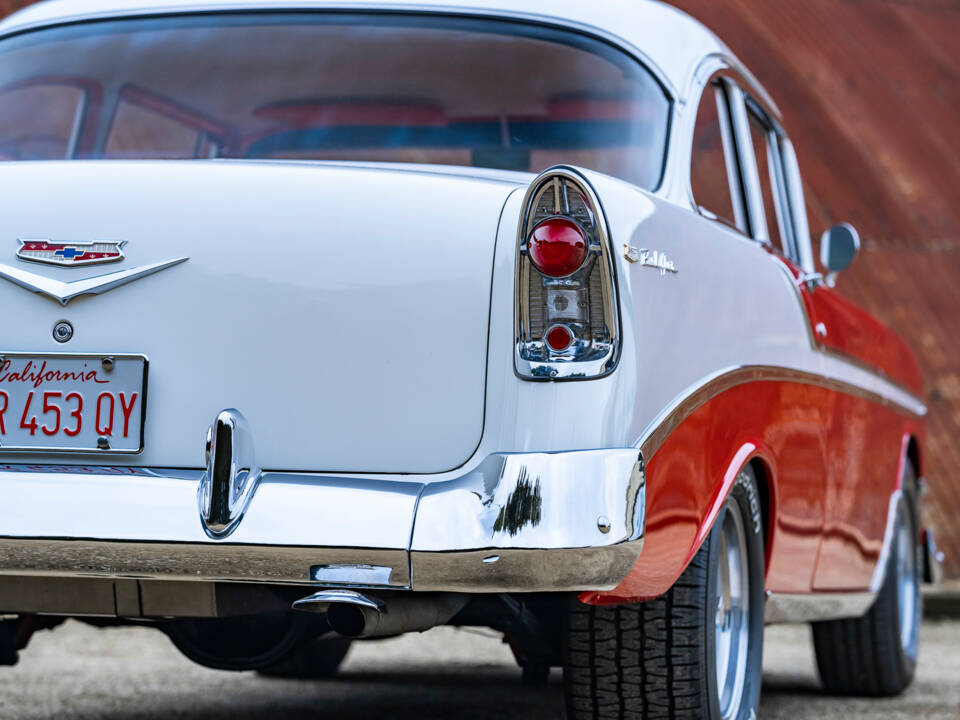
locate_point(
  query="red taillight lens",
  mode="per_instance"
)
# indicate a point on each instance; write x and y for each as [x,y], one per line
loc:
[559,338]
[557,247]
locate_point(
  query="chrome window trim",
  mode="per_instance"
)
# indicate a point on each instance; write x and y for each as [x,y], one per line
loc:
[782,206]
[749,172]
[731,157]
[797,204]
[743,94]
[712,73]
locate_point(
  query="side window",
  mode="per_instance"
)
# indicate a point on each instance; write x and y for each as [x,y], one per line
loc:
[714,177]
[766,149]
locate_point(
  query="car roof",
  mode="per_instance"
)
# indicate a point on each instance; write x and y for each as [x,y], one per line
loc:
[671,41]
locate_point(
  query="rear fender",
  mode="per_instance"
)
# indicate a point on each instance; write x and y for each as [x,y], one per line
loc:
[746,453]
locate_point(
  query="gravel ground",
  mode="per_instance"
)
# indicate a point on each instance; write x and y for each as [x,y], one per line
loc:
[78,672]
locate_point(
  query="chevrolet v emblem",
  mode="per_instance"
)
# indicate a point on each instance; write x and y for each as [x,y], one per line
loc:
[64,292]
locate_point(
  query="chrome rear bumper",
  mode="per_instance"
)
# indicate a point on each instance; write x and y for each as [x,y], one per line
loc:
[530,522]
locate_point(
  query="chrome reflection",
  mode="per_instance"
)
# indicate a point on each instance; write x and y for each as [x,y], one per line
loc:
[232,474]
[524,506]
[535,501]
[353,575]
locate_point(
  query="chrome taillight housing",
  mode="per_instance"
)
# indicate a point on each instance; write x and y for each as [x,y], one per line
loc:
[567,319]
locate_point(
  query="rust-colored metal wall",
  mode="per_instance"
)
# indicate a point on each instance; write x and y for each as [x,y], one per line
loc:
[8,6]
[870,91]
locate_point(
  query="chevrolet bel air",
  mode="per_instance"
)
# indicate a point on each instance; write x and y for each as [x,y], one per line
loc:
[499,314]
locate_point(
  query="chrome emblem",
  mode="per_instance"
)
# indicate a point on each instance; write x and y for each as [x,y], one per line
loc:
[71,254]
[650,258]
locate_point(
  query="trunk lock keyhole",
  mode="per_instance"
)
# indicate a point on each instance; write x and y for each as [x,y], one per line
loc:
[62,331]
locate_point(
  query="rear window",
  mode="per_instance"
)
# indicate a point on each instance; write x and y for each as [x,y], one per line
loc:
[328,86]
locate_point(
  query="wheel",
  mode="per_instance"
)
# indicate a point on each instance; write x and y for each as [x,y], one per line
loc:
[876,655]
[319,658]
[695,652]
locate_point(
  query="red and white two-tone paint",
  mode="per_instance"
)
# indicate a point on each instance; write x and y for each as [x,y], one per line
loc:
[477,313]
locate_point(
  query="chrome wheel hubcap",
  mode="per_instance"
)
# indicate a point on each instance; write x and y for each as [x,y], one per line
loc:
[732,631]
[906,569]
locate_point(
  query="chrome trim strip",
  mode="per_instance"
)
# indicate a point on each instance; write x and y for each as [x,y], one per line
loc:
[814,607]
[558,570]
[160,506]
[64,292]
[704,390]
[207,562]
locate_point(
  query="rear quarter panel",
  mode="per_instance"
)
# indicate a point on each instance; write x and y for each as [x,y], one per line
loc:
[732,305]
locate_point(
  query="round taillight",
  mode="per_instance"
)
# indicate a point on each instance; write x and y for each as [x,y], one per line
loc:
[557,247]
[559,338]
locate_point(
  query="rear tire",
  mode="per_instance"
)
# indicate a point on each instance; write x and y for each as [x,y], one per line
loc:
[876,655]
[695,652]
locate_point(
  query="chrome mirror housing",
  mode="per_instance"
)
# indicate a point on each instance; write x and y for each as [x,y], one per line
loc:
[838,247]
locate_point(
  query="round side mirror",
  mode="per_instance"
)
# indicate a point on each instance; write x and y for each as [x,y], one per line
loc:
[838,247]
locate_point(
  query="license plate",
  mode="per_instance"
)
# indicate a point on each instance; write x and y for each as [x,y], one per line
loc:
[72,403]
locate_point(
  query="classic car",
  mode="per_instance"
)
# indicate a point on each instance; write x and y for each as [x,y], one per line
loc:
[489,314]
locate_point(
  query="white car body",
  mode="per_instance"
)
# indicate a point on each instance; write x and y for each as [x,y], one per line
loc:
[365,370]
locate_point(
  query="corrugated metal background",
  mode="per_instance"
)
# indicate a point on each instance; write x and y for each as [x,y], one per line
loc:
[870,90]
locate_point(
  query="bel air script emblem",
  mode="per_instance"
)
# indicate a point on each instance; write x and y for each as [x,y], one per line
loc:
[71,254]
[650,258]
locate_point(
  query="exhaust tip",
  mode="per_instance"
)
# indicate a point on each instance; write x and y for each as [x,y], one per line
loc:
[349,613]
[347,620]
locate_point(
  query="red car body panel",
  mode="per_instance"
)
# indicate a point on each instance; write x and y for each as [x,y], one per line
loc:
[823,453]
[846,328]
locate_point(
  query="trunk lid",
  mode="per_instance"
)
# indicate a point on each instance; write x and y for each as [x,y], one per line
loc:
[342,309]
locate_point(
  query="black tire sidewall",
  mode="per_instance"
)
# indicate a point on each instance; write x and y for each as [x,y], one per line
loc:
[744,498]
